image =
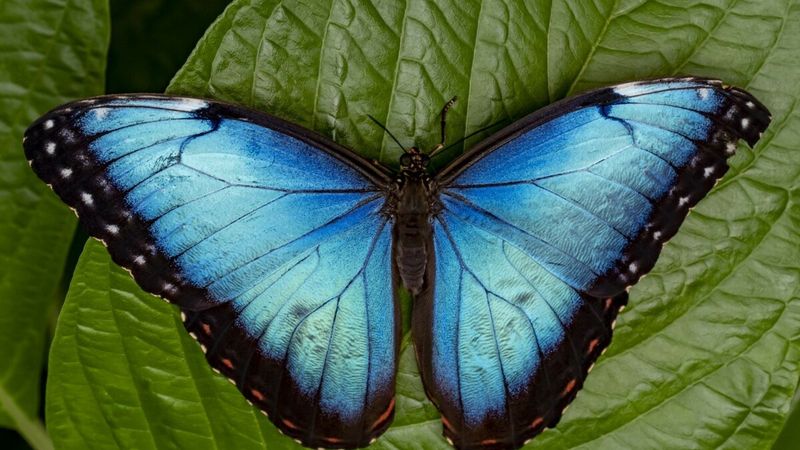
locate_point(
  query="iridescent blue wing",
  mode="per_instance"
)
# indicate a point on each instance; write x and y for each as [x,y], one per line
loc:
[541,230]
[270,238]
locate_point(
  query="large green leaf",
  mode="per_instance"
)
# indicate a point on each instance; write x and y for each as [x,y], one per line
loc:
[706,356]
[50,52]
[124,373]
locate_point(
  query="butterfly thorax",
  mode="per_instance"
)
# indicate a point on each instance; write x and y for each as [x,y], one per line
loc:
[412,227]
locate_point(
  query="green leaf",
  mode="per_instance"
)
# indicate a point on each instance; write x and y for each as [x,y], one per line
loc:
[50,52]
[708,354]
[125,374]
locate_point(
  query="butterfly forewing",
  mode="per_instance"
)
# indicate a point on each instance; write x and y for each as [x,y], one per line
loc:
[270,238]
[541,230]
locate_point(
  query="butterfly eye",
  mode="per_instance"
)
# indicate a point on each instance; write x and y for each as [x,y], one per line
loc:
[405,160]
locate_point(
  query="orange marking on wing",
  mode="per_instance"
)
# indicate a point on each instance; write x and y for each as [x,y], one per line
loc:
[593,345]
[446,423]
[257,394]
[537,422]
[570,387]
[609,301]
[333,440]
[228,363]
[290,424]
[489,441]
[206,328]
[383,416]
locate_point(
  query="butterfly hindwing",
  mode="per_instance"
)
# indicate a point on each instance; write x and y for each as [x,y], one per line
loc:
[271,239]
[541,230]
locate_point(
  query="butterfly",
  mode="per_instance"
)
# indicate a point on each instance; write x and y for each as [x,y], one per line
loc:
[285,251]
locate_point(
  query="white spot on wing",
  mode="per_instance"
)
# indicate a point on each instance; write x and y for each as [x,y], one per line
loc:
[113,229]
[101,113]
[633,267]
[708,171]
[745,123]
[704,93]
[87,198]
[50,148]
[683,200]
[627,89]
[192,104]
[750,104]
[66,173]
[68,135]
[657,235]
[48,124]
[139,260]
[730,148]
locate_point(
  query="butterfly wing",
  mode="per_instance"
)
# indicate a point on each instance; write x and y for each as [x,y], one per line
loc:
[541,230]
[270,238]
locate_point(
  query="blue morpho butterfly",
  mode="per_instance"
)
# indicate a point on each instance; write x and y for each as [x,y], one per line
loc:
[285,250]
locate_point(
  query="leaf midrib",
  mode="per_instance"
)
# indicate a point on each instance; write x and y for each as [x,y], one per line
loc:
[395,76]
[611,17]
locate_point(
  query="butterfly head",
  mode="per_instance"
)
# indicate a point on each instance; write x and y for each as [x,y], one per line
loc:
[414,162]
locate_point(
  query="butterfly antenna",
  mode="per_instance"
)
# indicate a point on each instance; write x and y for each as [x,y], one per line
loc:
[445,109]
[387,132]
[489,127]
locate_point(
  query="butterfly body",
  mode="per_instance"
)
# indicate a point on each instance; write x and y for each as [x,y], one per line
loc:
[415,206]
[284,249]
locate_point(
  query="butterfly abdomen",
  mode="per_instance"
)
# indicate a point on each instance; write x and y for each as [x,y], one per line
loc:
[412,233]
[411,255]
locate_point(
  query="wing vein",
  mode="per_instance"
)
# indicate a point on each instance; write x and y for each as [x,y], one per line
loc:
[333,324]
[324,226]
[576,357]
[492,216]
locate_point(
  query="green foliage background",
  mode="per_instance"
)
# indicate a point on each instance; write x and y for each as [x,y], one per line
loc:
[706,356]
